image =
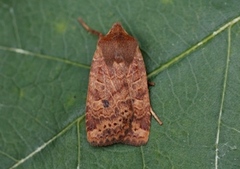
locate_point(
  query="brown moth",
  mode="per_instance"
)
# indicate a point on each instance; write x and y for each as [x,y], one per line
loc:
[118,108]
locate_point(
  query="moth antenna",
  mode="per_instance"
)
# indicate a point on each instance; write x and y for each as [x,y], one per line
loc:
[156,117]
[92,31]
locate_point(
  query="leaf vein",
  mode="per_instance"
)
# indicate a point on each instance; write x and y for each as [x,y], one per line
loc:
[222,99]
[48,142]
[193,48]
[25,52]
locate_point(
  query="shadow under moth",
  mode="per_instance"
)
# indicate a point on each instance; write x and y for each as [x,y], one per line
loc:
[118,108]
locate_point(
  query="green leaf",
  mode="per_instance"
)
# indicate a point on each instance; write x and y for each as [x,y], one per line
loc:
[191,51]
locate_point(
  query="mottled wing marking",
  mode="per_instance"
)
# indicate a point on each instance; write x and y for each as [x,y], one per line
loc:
[109,108]
[140,126]
[118,108]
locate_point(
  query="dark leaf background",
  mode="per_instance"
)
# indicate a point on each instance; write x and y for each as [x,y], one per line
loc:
[191,51]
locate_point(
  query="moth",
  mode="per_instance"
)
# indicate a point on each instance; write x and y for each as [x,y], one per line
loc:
[118,108]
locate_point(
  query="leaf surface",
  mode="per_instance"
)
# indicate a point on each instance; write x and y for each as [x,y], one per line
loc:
[191,51]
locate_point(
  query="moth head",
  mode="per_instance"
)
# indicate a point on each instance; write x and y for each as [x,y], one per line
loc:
[117,29]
